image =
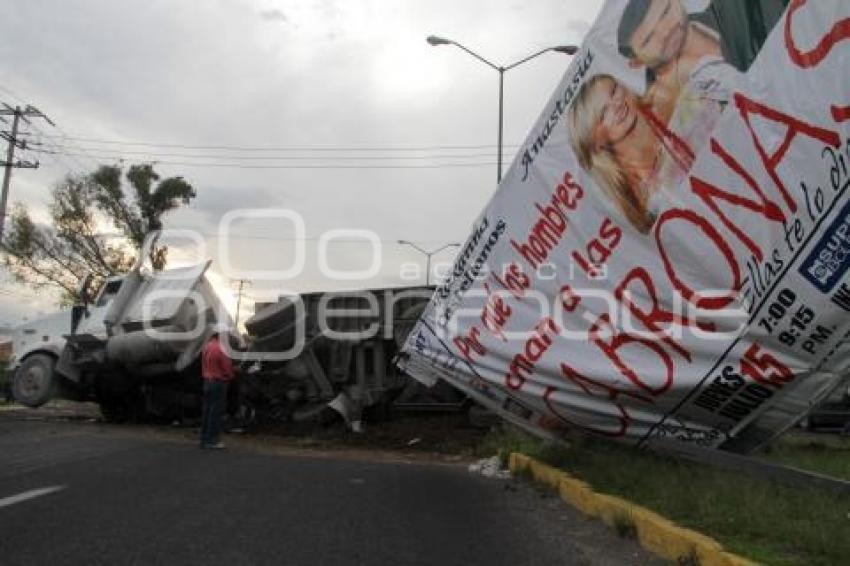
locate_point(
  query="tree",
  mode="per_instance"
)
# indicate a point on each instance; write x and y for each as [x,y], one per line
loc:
[61,254]
[144,214]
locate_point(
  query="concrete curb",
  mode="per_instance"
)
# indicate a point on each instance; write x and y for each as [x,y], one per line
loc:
[654,532]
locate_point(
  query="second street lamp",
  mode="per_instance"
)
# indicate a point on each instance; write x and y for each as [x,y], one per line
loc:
[427,255]
[567,49]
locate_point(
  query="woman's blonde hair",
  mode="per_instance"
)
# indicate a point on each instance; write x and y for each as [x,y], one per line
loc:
[601,163]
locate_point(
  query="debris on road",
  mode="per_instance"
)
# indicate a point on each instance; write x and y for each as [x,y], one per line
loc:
[490,468]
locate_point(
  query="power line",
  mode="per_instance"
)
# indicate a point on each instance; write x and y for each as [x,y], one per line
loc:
[12,94]
[58,147]
[277,239]
[289,166]
[66,161]
[238,236]
[282,148]
[70,149]
[41,134]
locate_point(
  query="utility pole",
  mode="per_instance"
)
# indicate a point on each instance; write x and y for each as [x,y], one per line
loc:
[242,283]
[12,137]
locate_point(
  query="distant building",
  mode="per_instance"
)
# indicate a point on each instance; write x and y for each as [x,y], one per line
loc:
[5,349]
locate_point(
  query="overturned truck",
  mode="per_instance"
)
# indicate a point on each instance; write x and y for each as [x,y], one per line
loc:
[134,348]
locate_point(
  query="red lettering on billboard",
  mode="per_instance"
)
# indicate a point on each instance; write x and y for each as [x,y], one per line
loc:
[795,126]
[709,235]
[616,340]
[807,59]
[709,193]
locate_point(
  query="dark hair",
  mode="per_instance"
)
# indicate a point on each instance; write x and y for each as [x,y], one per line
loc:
[632,17]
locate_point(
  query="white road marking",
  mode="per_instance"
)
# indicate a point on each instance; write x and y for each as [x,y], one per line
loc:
[31,494]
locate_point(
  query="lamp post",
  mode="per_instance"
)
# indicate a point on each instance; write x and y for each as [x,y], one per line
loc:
[434,40]
[427,255]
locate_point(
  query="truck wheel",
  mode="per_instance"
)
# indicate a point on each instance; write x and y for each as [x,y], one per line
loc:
[272,319]
[35,381]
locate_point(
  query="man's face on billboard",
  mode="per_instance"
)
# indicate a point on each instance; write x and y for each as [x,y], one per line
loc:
[661,35]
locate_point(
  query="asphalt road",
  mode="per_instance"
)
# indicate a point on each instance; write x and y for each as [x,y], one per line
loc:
[85,493]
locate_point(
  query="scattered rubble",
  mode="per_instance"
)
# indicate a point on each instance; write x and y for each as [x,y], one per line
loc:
[490,468]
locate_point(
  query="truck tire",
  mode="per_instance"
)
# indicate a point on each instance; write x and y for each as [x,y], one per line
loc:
[35,380]
[271,319]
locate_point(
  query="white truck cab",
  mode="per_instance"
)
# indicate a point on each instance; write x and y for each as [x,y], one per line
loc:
[37,344]
[141,334]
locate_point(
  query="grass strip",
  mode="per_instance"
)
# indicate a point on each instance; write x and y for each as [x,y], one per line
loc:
[827,454]
[758,519]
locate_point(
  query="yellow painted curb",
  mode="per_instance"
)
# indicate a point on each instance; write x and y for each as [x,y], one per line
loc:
[655,533]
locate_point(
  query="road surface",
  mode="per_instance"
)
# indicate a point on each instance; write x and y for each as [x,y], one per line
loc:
[87,493]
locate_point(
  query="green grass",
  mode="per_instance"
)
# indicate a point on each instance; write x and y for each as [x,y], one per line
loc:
[507,439]
[827,454]
[758,519]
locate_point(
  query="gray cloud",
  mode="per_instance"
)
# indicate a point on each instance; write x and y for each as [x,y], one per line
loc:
[578,27]
[273,15]
[175,73]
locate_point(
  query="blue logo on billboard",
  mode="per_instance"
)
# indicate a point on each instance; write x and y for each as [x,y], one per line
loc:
[829,261]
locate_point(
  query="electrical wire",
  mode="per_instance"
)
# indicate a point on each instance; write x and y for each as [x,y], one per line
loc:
[278,166]
[61,147]
[286,148]
[70,149]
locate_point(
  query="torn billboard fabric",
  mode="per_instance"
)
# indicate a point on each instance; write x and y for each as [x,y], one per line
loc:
[667,257]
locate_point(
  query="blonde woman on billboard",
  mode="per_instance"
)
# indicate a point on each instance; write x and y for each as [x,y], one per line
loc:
[628,151]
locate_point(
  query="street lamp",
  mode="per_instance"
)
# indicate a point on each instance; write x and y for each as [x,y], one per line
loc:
[434,41]
[427,255]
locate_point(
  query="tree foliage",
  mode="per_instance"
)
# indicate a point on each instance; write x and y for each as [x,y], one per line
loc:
[81,206]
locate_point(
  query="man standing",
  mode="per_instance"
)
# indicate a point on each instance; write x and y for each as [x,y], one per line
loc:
[217,370]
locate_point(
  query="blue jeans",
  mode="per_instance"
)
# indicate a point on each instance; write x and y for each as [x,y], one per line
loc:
[215,399]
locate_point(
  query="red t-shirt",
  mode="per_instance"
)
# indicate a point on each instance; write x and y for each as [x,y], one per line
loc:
[215,365]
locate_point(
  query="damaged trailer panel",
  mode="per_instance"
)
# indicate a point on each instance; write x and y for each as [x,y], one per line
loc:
[335,350]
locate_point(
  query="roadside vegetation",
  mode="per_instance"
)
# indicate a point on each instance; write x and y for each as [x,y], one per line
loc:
[759,519]
[4,384]
[827,454]
[73,244]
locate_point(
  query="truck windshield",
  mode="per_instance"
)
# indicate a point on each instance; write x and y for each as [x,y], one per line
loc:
[110,289]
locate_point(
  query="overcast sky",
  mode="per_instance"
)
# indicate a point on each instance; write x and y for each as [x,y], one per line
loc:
[293,79]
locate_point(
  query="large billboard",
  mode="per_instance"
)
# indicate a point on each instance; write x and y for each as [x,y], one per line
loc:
[667,257]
